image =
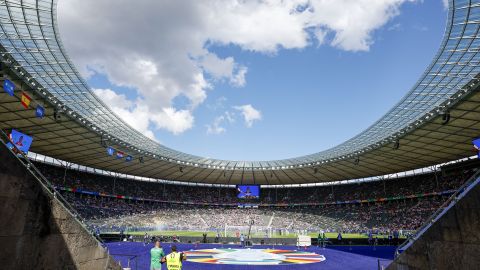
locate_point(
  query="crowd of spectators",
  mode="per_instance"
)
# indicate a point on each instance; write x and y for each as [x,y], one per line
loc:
[400,215]
[420,183]
[404,214]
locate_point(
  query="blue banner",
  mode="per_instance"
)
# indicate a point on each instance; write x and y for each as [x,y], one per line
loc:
[20,140]
[39,112]
[476,144]
[9,87]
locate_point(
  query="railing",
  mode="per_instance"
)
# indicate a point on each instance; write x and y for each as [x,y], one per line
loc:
[468,185]
[45,184]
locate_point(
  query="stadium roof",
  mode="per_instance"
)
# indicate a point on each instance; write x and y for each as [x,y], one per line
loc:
[434,123]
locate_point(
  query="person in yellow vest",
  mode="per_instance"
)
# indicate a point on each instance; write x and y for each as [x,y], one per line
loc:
[174,260]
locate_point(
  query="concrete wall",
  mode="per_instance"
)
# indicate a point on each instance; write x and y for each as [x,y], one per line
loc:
[36,231]
[452,242]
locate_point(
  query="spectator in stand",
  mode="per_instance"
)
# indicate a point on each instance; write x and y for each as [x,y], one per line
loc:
[399,214]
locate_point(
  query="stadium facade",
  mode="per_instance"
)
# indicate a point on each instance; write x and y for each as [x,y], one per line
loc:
[433,123]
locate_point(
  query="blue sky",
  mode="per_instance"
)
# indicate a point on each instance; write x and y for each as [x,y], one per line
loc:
[305,99]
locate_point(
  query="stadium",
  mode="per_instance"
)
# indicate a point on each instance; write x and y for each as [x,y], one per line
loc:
[82,189]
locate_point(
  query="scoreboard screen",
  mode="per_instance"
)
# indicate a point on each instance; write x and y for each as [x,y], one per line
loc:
[248,192]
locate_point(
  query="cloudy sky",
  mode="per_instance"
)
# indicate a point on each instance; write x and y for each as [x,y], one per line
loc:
[251,79]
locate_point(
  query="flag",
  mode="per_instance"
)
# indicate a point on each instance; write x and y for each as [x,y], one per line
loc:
[110,151]
[39,112]
[9,87]
[129,158]
[476,144]
[120,154]
[21,141]
[25,100]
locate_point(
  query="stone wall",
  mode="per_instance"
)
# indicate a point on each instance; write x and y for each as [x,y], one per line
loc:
[36,231]
[452,242]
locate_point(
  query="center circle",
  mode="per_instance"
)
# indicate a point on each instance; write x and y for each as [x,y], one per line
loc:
[253,256]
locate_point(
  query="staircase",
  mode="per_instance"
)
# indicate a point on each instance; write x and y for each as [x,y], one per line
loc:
[38,228]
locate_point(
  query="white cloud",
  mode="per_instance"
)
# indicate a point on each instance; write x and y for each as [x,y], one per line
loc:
[445,4]
[217,127]
[175,121]
[250,114]
[138,115]
[135,116]
[352,22]
[160,49]
[224,68]
[238,79]
[218,104]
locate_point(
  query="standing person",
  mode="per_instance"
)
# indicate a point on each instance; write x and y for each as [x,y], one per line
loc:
[121,234]
[321,238]
[156,256]
[370,238]
[242,240]
[395,237]
[174,260]
[145,239]
[217,237]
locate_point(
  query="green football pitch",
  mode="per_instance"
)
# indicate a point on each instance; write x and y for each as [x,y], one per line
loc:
[260,235]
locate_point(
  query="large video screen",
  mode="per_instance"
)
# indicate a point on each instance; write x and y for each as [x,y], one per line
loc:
[248,192]
[20,140]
